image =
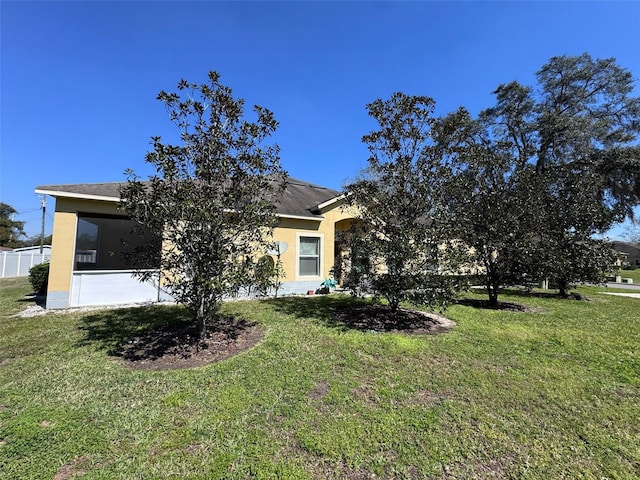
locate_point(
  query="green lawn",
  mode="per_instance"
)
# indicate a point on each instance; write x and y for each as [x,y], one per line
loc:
[635,274]
[547,395]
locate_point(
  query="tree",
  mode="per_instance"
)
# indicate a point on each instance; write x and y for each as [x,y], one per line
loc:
[489,199]
[587,123]
[560,162]
[10,230]
[36,240]
[568,251]
[397,246]
[632,234]
[212,200]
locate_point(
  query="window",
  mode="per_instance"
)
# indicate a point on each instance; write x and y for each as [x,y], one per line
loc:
[309,257]
[103,242]
[87,243]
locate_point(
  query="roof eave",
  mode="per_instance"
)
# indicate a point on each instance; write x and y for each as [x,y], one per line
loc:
[317,218]
[102,198]
[330,202]
[83,196]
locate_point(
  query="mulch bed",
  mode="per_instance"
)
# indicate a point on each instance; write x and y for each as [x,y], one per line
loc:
[377,318]
[177,346]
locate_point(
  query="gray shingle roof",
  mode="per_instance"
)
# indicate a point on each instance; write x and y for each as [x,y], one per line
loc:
[632,249]
[299,199]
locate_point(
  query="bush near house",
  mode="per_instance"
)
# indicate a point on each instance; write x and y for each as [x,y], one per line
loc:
[39,278]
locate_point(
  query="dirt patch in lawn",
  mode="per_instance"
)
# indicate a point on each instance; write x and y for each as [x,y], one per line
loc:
[319,390]
[177,346]
[378,318]
[72,470]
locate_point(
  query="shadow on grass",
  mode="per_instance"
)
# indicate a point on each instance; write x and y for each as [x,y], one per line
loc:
[525,293]
[39,300]
[515,294]
[153,332]
[483,303]
[344,313]
[112,330]
[321,308]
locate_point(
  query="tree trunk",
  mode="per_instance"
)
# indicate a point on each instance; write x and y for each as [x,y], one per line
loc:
[563,287]
[492,284]
[394,303]
[201,320]
[492,290]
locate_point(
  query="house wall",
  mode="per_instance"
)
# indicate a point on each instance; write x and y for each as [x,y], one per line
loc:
[61,263]
[63,246]
[68,288]
[112,288]
[290,230]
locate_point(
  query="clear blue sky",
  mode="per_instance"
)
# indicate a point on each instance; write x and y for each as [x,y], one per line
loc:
[79,79]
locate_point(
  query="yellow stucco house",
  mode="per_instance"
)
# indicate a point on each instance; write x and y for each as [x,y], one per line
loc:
[88,228]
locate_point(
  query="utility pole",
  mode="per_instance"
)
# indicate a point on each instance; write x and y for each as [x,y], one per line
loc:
[43,202]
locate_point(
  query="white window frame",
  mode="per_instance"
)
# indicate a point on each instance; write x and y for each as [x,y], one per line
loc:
[320,255]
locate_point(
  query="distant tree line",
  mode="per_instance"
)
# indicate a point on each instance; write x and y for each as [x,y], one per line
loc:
[12,234]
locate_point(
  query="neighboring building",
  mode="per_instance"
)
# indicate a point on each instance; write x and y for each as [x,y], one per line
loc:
[630,253]
[88,228]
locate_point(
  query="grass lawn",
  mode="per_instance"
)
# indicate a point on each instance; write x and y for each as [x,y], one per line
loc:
[547,395]
[635,274]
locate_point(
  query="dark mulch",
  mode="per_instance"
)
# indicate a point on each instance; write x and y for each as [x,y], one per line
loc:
[177,346]
[378,318]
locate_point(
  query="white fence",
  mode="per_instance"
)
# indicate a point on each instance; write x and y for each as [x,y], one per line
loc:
[18,264]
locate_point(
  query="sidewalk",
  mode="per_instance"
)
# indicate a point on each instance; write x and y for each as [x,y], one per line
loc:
[632,295]
[625,286]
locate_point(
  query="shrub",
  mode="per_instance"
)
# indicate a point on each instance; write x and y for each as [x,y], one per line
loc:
[39,278]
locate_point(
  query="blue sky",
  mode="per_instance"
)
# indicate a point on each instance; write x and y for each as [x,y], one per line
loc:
[79,79]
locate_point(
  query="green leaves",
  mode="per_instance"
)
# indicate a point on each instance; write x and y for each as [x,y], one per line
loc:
[400,200]
[10,230]
[545,170]
[524,186]
[213,198]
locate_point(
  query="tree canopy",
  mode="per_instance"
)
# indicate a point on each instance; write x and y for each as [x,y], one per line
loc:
[560,161]
[527,185]
[10,230]
[212,200]
[400,231]
[632,234]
